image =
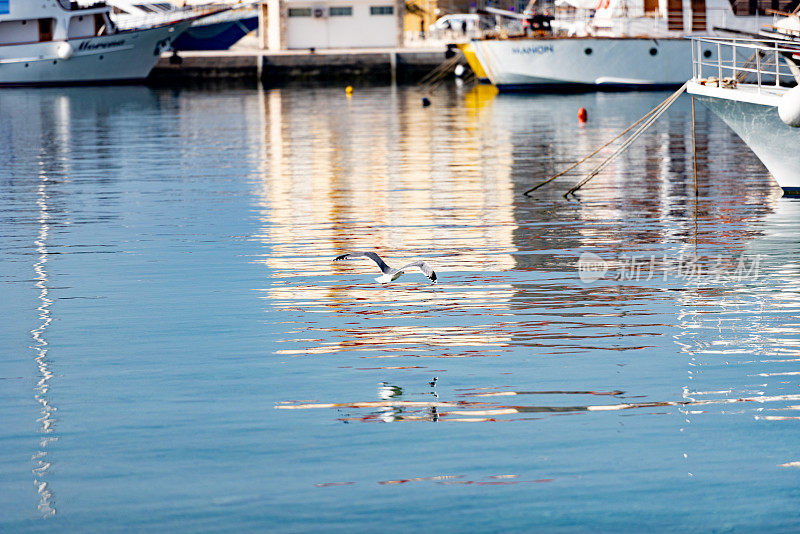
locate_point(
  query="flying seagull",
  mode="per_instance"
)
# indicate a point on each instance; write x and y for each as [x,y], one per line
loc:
[389,273]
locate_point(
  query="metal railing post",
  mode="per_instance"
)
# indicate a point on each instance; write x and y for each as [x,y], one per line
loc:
[719,64]
[758,68]
[777,66]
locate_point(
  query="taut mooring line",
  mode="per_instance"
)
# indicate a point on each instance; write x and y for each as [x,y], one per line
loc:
[660,108]
[654,117]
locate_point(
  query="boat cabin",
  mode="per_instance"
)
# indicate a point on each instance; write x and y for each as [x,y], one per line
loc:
[21,21]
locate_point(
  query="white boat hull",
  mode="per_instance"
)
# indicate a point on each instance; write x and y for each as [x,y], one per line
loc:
[123,56]
[530,64]
[755,119]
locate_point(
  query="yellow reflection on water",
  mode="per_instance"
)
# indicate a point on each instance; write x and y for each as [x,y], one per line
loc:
[479,96]
[399,182]
[386,184]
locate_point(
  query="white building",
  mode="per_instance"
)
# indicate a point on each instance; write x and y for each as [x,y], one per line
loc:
[319,24]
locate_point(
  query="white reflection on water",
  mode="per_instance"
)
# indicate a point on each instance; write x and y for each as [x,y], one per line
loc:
[446,191]
[415,189]
[741,338]
[47,410]
[398,193]
[514,335]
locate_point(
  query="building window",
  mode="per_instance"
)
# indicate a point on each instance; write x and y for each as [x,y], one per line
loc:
[299,11]
[381,10]
[341,12]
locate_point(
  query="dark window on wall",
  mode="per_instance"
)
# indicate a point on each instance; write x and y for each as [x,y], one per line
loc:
[299,11]
[381,10]
[341,11]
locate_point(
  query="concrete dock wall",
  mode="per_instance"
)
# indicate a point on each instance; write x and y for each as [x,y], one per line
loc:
[405,65]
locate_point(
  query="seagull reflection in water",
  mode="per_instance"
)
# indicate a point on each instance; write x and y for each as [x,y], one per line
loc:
[387,391]
[391,412]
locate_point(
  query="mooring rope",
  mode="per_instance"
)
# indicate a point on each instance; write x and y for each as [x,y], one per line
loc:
[668,101]
[654,117]
[435,77]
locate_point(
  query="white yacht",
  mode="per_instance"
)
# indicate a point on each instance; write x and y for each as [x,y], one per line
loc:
[621,43]
[222,23]
[747,87]
[59,41]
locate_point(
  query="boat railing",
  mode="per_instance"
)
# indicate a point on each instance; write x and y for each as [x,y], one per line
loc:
[157,19]
[728,62]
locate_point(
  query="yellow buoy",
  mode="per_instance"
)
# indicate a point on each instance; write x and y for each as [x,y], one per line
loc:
[348,90]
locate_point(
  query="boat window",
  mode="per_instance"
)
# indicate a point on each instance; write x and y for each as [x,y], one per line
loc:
[99,24]
[653,51]
[588,51]
[18,31]
[381,10]
[698,15]
[80,26]
[341,11]
[299,11]
[45,30]
[761,7]
[675,15]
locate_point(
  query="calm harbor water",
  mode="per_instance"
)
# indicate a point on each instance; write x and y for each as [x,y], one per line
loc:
[180,353]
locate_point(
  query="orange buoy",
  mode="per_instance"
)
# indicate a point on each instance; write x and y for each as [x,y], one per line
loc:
[582,114]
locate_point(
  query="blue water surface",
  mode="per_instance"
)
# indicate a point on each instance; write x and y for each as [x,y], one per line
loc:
[179,352]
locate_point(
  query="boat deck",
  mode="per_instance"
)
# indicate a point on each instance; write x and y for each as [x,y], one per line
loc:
[764,95]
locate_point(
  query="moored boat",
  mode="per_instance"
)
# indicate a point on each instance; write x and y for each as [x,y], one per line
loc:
[472,60]
[58,41]
[546,64]
[749,89]
[626,43]
[219,31]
